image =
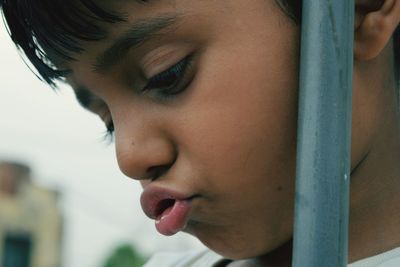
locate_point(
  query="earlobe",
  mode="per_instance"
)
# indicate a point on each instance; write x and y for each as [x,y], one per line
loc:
[374,26]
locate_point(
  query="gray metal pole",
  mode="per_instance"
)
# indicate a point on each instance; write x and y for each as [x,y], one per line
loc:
[323,157]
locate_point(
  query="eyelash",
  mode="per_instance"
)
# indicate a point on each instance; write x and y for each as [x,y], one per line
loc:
[170,82]
[108,135]
[174,80]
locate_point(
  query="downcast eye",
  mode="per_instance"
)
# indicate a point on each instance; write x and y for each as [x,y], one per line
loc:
[172,81]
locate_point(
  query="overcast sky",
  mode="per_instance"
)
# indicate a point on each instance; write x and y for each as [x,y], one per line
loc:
[63,144]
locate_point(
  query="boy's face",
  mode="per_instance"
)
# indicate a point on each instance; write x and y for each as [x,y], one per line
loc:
[218,125]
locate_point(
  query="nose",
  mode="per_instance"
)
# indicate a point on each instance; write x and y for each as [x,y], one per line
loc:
[143,152]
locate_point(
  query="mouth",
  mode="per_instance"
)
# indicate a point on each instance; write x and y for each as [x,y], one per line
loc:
[169,209]
[164,206]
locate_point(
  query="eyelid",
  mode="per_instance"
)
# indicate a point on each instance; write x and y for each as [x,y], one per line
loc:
[162,88]
[106,117]
[101,109]
[163,58]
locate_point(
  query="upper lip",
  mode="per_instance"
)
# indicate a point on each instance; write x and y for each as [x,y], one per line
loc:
[155,200]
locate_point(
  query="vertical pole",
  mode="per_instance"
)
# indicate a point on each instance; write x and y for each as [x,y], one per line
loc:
[323,157]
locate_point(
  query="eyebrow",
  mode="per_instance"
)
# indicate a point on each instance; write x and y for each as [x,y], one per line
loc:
[140,32]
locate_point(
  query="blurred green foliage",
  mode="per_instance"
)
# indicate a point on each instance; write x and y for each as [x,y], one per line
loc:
[125,256]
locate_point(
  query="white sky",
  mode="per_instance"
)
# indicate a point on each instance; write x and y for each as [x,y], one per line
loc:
[62,143]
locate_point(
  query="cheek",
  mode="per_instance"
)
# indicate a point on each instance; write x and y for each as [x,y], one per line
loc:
[247,110]
[239,135]
[241,126]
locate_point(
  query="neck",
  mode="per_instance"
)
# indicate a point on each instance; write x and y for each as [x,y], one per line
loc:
[375,200]
[280,257]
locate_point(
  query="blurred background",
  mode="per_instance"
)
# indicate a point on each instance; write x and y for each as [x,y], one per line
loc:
[63,201]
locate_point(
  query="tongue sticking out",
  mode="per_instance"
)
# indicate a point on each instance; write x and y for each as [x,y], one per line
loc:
[174,218]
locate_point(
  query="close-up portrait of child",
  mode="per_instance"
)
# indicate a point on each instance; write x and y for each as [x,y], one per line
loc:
[200,98]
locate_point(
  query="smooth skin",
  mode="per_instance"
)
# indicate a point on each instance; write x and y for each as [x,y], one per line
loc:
[228,135]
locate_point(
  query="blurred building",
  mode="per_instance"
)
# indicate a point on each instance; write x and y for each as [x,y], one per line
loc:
[30,220]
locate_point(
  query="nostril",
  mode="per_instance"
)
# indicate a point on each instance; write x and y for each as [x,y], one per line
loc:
[157,171]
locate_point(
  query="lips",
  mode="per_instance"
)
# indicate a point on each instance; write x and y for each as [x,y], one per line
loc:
[169,209]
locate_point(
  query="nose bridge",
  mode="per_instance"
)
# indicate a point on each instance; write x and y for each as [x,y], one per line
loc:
[143,147]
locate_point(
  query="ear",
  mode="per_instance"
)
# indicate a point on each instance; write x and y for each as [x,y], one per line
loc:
[376,21]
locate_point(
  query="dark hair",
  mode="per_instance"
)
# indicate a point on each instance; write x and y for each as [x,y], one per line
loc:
[50,32]
[292,8]
[397,56]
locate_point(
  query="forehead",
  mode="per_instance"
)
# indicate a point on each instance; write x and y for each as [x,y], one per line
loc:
[132,18]
[142,23]
[163,20]
[136,17]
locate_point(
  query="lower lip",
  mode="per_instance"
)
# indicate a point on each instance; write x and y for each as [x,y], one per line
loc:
[173,219]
